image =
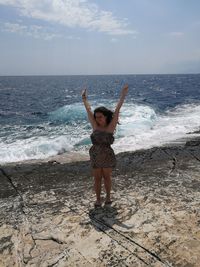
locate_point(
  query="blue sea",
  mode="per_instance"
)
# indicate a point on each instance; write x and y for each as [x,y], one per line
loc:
[43,116]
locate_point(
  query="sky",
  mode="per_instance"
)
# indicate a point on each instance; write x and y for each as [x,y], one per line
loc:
[85,37]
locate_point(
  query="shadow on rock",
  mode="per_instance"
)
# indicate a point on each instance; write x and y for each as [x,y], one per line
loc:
[104,218]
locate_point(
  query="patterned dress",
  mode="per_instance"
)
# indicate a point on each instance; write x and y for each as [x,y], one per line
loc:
[101,153]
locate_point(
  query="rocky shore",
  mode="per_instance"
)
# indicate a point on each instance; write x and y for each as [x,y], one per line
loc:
[47,215]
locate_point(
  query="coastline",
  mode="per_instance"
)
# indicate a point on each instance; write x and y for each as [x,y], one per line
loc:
[76,156]
[48,217]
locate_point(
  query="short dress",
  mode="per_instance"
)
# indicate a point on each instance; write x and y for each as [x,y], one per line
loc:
[101,153]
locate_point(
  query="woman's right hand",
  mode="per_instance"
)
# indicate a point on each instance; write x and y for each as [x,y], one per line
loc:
[84,94]
[125,90]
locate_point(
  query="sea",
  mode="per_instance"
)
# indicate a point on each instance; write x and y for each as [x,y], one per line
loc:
[43,116]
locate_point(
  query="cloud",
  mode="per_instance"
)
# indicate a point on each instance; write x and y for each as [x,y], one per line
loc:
[114,40]
[176,34]
[72,13]
[34,31]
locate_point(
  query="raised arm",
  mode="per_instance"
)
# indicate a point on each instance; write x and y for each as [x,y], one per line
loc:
[115,118]
[88,109]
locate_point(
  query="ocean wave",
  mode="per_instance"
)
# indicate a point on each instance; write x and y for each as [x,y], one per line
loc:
[69,114]
[157,129]
[140,127]
[34,148]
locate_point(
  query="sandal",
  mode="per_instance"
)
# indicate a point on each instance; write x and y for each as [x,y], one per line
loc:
[108,202]
[97,205]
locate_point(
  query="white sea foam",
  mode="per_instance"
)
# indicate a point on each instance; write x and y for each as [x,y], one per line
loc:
[141,127]
[144,129]
[33,148]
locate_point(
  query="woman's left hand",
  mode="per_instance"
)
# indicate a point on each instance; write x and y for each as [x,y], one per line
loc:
[84,94]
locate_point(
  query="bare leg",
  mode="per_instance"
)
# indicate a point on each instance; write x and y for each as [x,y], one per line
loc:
[97,184]
[107,172]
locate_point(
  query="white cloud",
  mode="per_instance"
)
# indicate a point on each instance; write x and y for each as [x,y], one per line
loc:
[176,34]
[34,31]
[14,27]
[72,13]
[114,40]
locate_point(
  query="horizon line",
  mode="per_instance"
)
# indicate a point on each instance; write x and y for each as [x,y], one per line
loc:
[113,74]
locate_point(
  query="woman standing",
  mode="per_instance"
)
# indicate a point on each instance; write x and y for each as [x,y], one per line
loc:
[102,156]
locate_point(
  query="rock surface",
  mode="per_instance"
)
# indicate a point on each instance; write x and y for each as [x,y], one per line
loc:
[47,216]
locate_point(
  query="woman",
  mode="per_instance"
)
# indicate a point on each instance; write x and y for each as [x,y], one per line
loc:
[102,156]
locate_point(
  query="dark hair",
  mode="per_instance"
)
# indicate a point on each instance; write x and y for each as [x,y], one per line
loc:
[106,112]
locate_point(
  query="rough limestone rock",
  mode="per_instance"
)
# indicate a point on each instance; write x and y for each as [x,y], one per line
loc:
[48,219]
